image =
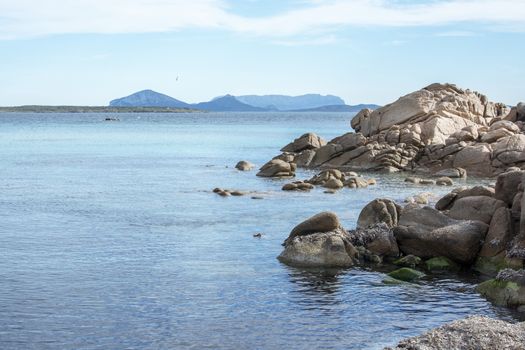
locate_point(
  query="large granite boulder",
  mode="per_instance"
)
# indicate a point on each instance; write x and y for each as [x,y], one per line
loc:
[440,101]
[507,185]
[436,128]
[379,210]
[319,241]
[322,222]
[480,208]
[277,168]
[305,142]
[321,249]
[378,239]
[428,233]
[499,235]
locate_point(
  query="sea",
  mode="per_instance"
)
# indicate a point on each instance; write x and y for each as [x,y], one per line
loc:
[111,238]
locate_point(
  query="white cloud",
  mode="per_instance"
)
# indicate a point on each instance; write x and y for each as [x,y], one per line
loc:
[30,18]
[456,33]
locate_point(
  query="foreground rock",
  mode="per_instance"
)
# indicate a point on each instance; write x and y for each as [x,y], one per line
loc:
[322,249]
[428,233]
[319,242]
[475,332]
[322,222]
[439,129]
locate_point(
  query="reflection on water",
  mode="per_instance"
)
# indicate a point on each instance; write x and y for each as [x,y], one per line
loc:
[111,238]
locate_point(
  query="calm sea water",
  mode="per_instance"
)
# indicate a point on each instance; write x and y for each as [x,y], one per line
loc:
[111,239]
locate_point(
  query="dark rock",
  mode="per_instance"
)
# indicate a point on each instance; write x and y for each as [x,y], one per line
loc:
[427,233]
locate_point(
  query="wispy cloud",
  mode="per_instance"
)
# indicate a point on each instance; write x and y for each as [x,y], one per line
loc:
[30,18]
[316,41]
[456,33]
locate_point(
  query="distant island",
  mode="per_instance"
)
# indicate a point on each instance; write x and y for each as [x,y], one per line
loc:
[246,103]
[149,101]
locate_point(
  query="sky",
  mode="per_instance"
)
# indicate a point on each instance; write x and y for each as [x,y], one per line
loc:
[88,52]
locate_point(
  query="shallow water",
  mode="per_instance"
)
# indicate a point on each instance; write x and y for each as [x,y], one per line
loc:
[111,238]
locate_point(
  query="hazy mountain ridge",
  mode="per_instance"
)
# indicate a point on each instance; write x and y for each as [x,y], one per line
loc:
[246,103]
[338,108]
[226,103]
[288,103]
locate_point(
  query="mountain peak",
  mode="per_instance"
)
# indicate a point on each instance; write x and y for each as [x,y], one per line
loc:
[148,98]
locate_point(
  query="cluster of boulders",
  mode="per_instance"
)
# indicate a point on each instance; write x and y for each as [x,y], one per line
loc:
[481,227]
[332,179]
[436,128]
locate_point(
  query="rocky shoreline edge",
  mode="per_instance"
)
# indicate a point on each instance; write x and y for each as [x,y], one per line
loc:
[441,131]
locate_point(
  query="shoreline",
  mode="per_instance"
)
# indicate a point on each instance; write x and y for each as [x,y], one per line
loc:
[95,109]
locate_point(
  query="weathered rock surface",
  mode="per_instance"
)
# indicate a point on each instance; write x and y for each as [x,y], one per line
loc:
[406,274]
[322,249]
[499,235]
[507,186]
[475,332]
[322,222]
[277,168]
[440,128]
[427,233]
[377,239]
[379,210]
[480,208]
[305,142]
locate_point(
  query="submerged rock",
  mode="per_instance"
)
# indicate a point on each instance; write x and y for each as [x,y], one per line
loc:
[441,264]
[406,274]
[507,289]
[408,261]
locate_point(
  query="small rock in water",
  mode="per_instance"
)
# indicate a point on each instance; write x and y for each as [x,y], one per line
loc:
[414,180]
[406,274]
[244,165]
[237,193]
[427,182]
[444,181]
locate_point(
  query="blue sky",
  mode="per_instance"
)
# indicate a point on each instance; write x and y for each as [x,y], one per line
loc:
[87,52]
